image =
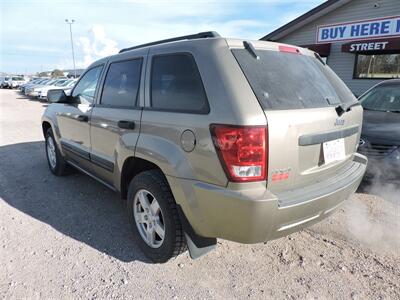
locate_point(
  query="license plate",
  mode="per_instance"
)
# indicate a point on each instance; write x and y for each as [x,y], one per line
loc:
[334,151]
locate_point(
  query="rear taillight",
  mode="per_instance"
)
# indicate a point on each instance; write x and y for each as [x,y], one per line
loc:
[242,151]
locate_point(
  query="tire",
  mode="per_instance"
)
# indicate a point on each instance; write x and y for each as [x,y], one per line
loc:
[173,243]
[58,166]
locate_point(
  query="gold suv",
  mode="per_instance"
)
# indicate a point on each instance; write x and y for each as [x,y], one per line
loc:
[209,138]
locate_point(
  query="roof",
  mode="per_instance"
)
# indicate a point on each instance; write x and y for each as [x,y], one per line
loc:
[390,82]
[304,19]
[200,35]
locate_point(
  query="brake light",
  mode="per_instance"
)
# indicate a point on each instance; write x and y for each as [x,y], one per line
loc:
[289,49]
[242,151]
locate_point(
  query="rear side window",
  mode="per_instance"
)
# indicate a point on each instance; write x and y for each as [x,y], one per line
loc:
[291,81]
[176,84]
[122,83]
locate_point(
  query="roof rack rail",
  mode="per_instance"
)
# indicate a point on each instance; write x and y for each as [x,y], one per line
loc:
[200,35]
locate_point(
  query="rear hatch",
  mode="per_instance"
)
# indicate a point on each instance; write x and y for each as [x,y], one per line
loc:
[310,138]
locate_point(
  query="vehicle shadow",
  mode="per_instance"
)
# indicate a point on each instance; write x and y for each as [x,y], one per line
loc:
[21,96]
[75,205]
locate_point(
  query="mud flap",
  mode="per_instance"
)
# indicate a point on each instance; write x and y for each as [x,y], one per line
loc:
[196,252]
[197,245]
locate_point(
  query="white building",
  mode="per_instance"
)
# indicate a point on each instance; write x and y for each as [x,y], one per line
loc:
[360,39]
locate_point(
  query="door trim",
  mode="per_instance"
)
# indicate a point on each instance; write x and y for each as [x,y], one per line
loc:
[101,162]
[97,160]
[75,150]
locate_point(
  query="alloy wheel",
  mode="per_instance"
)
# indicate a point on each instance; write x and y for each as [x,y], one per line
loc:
[149,218]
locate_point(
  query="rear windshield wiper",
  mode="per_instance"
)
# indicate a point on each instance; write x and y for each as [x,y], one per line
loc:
[317,56]
[342,108]
[249,47]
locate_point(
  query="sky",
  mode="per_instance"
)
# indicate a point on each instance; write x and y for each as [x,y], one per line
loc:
[34,36]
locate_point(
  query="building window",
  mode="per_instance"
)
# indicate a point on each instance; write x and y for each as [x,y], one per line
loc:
[382,66]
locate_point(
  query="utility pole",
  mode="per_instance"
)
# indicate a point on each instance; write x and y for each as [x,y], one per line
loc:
[70,22]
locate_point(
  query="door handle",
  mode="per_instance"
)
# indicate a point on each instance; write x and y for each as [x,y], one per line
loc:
[126,124]
[82,118]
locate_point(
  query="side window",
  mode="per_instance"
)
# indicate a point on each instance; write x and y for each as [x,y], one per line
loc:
[122,83]
[86,87]
[176,84]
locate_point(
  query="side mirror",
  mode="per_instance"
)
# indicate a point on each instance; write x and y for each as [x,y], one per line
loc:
[57,96]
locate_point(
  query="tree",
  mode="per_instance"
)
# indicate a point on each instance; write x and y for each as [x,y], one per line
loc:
[57,73]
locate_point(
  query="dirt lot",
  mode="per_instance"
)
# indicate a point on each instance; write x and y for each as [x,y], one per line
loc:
[69,238]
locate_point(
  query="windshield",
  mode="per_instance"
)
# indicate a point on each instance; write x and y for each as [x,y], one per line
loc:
[51,82]
[283,80]
[17,78]
[67,82]
[382,98]
[60,82]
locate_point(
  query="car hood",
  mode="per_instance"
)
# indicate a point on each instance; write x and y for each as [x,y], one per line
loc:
[381,127]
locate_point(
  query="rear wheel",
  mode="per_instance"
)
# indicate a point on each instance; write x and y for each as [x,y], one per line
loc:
[154,217]
[57,164]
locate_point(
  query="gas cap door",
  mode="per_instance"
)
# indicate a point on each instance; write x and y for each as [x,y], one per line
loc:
[188,140]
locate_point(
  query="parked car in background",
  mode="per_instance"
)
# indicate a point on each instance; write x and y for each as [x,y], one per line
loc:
[380,137]
[33,91]
[32,83]
[65,85]
[50,84]
[16,81]
[4,82]
[209,138]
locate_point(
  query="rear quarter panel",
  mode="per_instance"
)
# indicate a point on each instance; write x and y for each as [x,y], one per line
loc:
[231,101]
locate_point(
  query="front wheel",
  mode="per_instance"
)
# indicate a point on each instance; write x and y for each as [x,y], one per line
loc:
[154,217]
[57,164]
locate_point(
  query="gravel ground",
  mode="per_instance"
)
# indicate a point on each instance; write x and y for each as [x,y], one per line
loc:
[69,238]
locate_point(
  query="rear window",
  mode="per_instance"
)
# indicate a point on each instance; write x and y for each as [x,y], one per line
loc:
[291,81]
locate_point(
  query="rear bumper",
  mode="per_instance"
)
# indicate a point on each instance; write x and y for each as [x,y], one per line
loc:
[249,213]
